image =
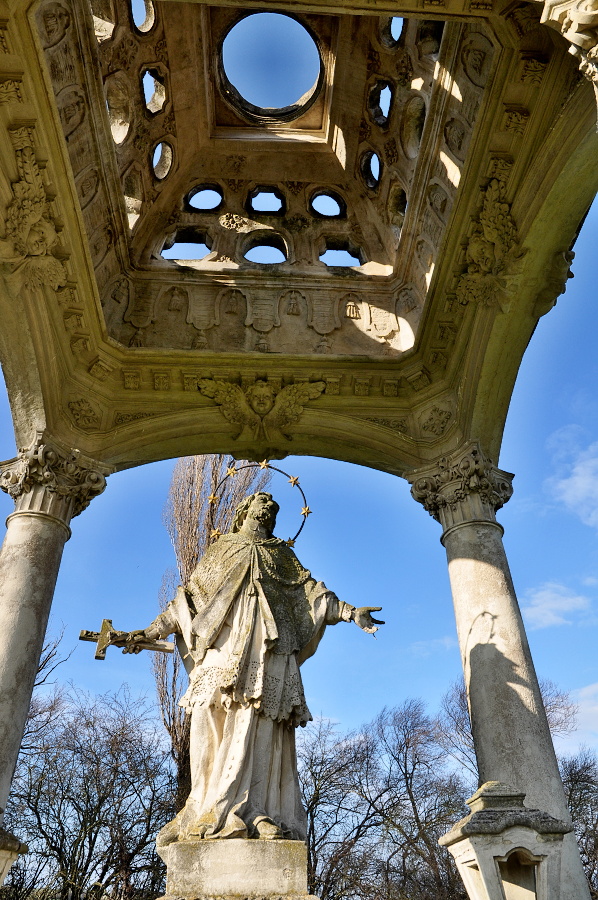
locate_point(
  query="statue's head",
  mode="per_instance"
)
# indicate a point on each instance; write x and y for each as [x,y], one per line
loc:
[257,509]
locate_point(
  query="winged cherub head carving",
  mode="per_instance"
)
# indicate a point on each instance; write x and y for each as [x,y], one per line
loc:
[260,397]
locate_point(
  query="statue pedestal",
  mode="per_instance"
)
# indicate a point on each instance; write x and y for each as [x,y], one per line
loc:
[204,869]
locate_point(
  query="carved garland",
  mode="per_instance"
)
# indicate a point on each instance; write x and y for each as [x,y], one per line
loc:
[492,253]
[29,253]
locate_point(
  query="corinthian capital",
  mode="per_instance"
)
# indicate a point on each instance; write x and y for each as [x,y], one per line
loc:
[463,487]
[46,479]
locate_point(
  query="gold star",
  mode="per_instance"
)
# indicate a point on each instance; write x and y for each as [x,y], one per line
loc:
[212,498]
[231,471]
[294,480]
[290,542]
[306,511]
[215,533]
[264,464]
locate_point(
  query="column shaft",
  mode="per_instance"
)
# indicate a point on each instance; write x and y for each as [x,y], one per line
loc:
[29,562]
[511,736]
[510,729]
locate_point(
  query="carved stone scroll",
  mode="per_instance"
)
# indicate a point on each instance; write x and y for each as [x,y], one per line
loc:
[462,488]
[46,479]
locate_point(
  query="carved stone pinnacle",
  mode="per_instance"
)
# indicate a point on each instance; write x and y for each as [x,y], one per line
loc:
[46,479]
[463,487]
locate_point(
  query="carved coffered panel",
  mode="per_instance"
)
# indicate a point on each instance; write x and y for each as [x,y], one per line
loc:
[128,356]
[393,222]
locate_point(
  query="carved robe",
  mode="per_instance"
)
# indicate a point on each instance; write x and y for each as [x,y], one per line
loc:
[250,615]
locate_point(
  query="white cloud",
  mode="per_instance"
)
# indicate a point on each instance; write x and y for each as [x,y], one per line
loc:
[552,604]
[575,483]
[586,699]
[427,648]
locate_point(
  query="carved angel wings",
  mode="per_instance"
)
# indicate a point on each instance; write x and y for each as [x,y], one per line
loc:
[263,421]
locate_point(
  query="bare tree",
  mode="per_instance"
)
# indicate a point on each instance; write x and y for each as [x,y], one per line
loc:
[90,800]
[453,725]
[190,517]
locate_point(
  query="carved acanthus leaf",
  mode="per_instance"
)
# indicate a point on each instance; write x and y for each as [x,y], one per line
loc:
[28,252]
[462,487]
[263,411]
[46,466]
[492,252]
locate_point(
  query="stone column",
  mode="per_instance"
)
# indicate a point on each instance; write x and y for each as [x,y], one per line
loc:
[510,730]
[49,487]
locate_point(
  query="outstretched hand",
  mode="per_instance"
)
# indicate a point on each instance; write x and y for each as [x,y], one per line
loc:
[362,617]
[134,639]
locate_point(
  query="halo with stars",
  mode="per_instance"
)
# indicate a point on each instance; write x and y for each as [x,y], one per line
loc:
[232,470]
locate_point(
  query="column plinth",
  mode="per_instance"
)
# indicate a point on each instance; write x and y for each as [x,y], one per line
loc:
[510,730]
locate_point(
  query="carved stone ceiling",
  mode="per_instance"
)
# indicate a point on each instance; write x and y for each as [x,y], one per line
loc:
[459,203]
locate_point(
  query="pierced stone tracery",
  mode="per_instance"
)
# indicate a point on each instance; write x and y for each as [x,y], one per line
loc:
[345,214]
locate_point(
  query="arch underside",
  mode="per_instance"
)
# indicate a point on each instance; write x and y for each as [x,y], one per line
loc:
[487,168]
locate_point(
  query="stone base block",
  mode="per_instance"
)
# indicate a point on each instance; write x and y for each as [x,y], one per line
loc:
[234,868]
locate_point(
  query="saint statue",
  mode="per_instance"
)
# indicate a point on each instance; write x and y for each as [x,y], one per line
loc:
[248,618]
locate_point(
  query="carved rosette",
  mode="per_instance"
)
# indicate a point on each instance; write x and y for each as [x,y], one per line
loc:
[45,479]
[461,488]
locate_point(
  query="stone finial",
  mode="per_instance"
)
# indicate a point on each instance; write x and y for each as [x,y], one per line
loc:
[461,488]
[46,479]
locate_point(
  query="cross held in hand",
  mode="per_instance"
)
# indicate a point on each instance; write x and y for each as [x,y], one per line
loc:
[109,635]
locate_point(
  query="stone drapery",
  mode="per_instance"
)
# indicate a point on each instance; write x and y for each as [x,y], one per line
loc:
[250,616]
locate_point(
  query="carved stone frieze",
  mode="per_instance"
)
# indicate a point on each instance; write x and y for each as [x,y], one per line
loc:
[461,488]
[261,411]
[27,254]
[492,253]
[45,479]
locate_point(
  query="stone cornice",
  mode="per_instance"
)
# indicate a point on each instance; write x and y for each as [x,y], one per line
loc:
[44,479]
[462,488]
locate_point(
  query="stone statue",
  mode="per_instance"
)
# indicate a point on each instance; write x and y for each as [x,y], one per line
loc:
[249,617]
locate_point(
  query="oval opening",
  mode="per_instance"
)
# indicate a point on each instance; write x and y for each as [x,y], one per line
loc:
[266,254]
[205,199]
[384,100]
[379,103]
[396,27]
[272,64]
[154,90]
[391,31]
[143,14]
[334,256]
[266,201]
[186,250]
[328,205]
[118,105]
[371,168]
[162,160]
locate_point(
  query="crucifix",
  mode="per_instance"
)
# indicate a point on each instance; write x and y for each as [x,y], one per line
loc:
[108,636]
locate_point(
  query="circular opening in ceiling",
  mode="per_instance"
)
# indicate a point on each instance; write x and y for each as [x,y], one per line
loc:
[270,67]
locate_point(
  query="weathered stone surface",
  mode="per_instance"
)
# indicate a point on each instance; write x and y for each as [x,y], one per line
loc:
[236,868]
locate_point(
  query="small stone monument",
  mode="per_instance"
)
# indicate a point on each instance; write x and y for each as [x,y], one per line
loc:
[250,615]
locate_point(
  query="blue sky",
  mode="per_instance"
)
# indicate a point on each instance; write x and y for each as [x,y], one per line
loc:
[372,544]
